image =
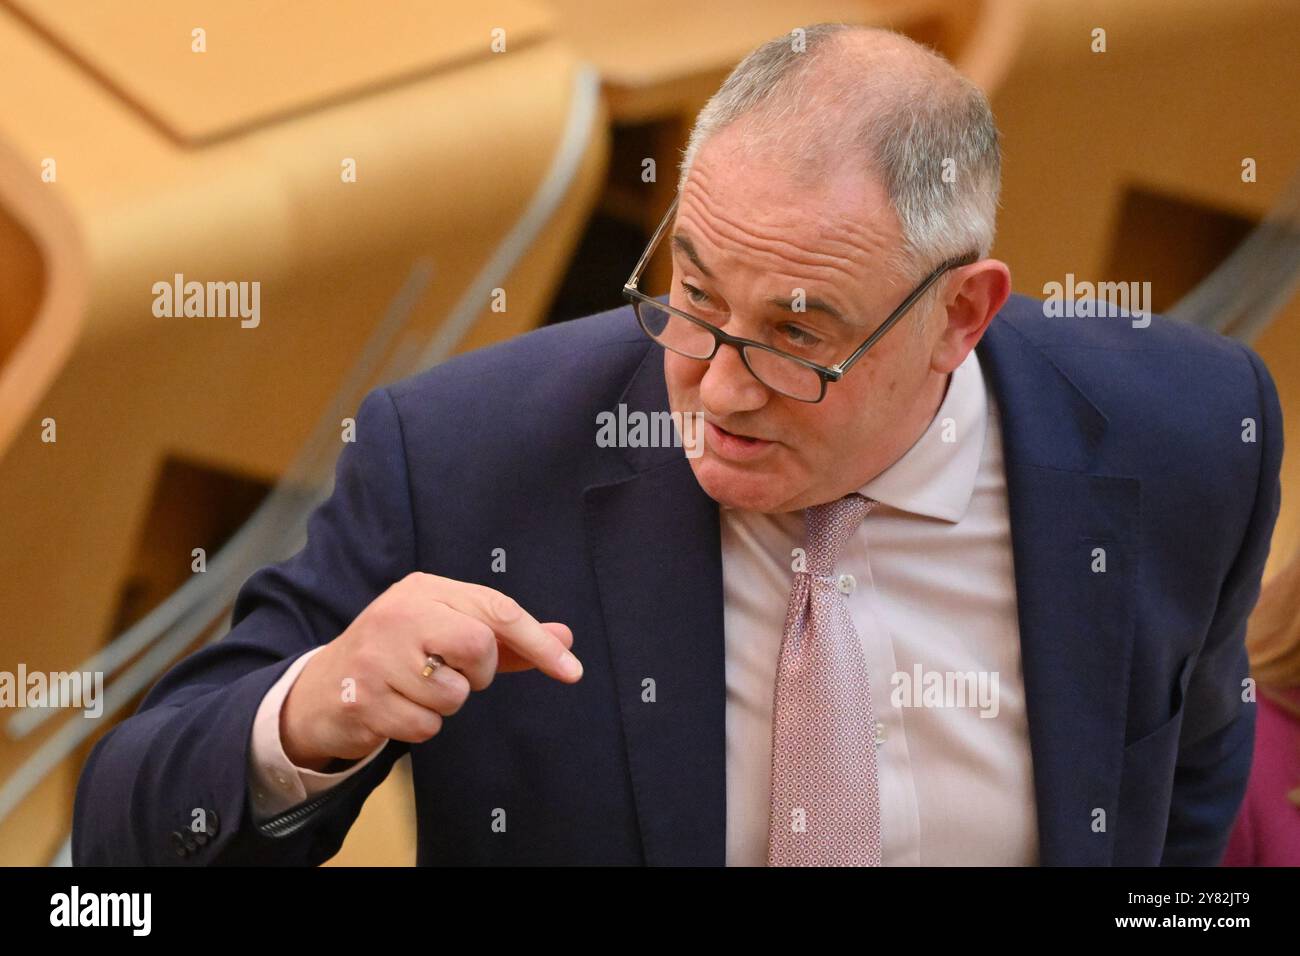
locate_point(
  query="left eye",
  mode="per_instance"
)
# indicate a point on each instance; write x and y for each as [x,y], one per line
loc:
[799,337]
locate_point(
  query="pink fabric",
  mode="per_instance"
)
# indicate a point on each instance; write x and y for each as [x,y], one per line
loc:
[825,788]
[1267,831]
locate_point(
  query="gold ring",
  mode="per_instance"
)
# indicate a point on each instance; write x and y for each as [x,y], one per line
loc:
[431,664]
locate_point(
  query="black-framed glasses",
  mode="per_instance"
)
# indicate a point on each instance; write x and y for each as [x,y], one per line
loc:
[790,375]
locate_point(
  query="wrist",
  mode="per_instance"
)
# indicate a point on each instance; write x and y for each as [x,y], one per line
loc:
[300,754]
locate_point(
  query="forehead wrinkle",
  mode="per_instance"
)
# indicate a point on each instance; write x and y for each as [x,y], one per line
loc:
[788,253]
[871,236]
[874,234]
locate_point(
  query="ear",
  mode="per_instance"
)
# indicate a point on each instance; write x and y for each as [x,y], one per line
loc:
[974,295]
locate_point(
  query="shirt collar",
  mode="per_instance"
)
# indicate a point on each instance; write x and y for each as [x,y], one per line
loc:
[934,477]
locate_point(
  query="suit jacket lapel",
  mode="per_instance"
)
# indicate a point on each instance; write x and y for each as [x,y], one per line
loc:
[656,549]
[1069,521]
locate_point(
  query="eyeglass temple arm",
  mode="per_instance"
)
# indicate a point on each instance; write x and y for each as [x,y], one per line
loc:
[635,279]
[903,308]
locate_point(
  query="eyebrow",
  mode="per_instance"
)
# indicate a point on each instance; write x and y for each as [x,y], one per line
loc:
[684,243]
[810,303]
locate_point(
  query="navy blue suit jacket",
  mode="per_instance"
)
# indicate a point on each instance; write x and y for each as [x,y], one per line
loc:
[1115,437]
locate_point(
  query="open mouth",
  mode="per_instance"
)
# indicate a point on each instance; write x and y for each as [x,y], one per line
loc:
[738,436]
[731,445]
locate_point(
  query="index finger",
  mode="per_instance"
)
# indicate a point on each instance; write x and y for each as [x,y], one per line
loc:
[520,631]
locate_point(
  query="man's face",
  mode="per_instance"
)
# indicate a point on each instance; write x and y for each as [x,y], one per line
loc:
[761,237]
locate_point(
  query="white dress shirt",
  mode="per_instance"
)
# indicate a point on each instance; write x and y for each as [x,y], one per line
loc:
[956,787]
[933,561]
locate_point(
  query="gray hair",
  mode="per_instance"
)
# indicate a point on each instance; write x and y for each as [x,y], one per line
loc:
[893,106]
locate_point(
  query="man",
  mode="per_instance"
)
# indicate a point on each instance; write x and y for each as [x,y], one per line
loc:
[963,585]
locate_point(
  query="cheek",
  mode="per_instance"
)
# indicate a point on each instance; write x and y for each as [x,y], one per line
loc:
[682,375]
[818,431]
[885,380]
[855,413]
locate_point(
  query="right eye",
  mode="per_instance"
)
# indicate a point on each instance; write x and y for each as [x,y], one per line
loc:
[694,294]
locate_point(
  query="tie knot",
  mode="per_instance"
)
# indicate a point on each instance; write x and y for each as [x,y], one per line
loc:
[829,527]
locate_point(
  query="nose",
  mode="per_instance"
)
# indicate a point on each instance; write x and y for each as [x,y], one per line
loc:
[727,386]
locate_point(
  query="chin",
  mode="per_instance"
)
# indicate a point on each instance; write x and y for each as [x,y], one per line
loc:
[735,487]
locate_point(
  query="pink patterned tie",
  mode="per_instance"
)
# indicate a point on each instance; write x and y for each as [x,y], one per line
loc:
[825,789]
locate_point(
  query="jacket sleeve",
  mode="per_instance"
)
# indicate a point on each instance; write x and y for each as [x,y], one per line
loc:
[1218,732]
[170,784]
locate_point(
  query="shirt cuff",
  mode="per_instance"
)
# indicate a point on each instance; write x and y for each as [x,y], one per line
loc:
[275,783]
